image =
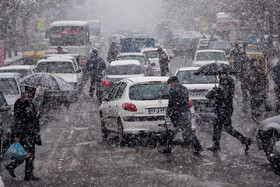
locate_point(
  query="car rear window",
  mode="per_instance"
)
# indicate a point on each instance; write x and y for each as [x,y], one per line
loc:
[55,67]
[187,77]
[151,54]
[151,91]
[206,56]
[125,70]
[8,86]
[132,57]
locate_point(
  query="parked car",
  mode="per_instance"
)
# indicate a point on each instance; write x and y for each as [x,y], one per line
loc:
[268,140]
[152,55]
[23,70]
[118,70]
[137,56]
[6,120]
[66,68]
[33,52]
[198,86]
[203,57]
[10,87]
[136,105]
[81,60]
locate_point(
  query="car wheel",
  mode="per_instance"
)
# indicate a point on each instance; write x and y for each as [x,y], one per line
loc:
[121,135]
[104,131]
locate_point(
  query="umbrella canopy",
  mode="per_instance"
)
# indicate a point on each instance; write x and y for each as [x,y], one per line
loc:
[47,81]
[214,69]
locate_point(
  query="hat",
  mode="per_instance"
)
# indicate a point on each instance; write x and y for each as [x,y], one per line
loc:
[58,47]
[173,79]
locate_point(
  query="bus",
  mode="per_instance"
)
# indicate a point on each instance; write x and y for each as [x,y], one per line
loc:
[94,33]
[70,35]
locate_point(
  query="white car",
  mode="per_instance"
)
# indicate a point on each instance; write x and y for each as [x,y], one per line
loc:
[66,68]
[137,56]
[10,87]
[203,57]
[198,86]
[23,70]
[136,105]
[152,55]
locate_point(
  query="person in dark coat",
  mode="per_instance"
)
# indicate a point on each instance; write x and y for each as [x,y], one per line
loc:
[241,67]
[113,52]
[276,78]
[256,83]
[223,96]
[60,50]
[26,131]
[163,62]
[95,65]
[179,111]
[235,53]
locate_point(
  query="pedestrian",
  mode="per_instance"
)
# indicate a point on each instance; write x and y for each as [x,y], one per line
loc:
[276,78]
[163,62]
[95,65]
[60,50]
[235,54]
[255,79]
[179,111]
[113,52]
[223,96]
[26,131]
[241,67]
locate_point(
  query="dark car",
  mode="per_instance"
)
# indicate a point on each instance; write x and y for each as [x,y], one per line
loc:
[184,46]
[6,120]
[118,70]
[268,139]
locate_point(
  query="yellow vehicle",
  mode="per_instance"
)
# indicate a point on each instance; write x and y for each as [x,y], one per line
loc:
[33,52]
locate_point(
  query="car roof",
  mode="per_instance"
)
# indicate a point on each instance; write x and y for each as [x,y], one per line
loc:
[17,67]
[149,49]
[62,57]
[9,75]
[147,79]
[209,50]
[187,68]
[125,62]
[55,59]
[131,54]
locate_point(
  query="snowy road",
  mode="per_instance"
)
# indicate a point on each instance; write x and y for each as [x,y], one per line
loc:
[73,154]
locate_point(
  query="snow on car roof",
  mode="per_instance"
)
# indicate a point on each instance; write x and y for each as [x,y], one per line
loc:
[149,49]
[188,68]
[55,60]
[9,75]
[124,62]
[131,54]
[209,50]
[147,79]
[17,67]
[68,23]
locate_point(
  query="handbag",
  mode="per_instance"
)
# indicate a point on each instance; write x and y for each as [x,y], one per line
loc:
[16,152]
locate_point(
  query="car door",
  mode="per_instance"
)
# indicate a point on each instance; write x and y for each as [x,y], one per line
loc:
[110,117]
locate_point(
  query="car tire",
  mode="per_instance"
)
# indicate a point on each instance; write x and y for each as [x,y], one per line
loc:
[104,131]
[121,135]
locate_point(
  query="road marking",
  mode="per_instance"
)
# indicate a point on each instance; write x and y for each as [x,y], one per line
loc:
[53,151]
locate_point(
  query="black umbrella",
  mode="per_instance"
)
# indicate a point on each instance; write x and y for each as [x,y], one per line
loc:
[214,69]
[47,81]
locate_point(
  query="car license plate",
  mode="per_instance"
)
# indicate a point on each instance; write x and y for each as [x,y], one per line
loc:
[157,111]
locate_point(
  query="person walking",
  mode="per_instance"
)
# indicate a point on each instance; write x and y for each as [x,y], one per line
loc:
[276,78]
[163,62]
[26,131]
[95,65]
[235,54]
[179,111]
[223,96]
[256,83]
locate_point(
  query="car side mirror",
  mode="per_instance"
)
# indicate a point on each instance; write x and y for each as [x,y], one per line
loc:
[153,64]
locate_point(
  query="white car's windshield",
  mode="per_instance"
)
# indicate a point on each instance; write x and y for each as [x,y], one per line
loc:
[206,56]
[8,86]
[187,77]
[55,67]
[153,91]
[125,70]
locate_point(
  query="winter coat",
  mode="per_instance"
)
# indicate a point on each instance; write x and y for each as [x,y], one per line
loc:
[178,103]
[276,74]
[95,65]
[112,53]
[255,79]
[163,62]
[26,123]
[242,65]
[224,95]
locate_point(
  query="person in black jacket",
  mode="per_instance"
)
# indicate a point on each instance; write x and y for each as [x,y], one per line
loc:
[276,78]
[179,111]
[223,96]
[26,131]
[95,65]
[163,62]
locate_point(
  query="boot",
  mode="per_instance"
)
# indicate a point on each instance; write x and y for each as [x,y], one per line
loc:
[247,144]
[10,170]
[31,178]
